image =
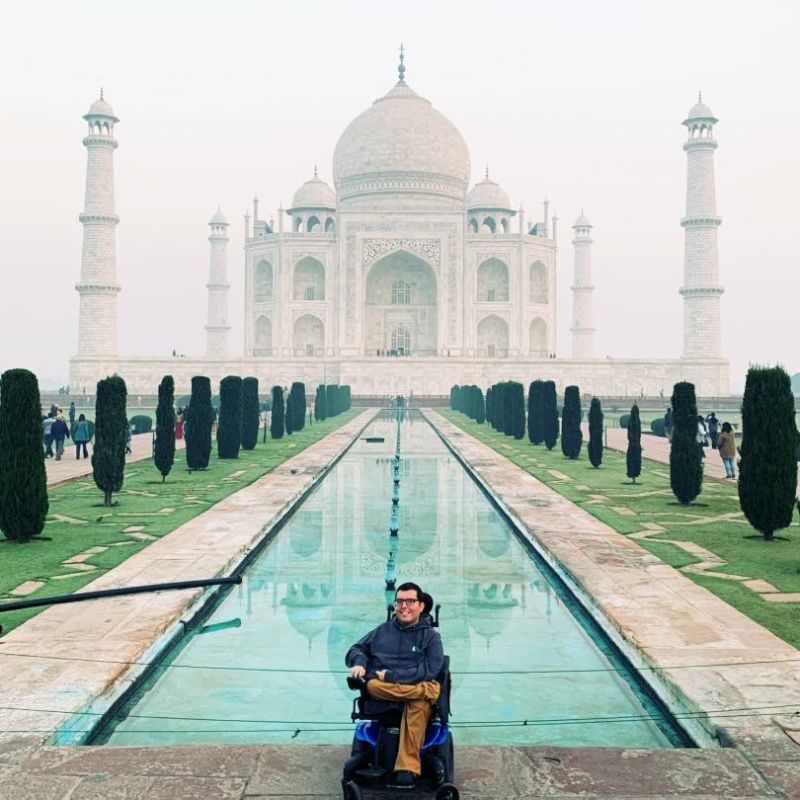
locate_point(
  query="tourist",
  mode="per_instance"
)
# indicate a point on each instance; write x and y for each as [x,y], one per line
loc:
[128,437]
[713,429]
[72,415]
[179,420]
[669,424]
[80,436]
[60,432]
[47,432]
[400,660]
[727,449]
[702,435]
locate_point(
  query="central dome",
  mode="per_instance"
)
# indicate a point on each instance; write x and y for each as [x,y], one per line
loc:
[401,145]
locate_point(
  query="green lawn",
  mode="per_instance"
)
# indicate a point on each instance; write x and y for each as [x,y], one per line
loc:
[714,521]
[78,521]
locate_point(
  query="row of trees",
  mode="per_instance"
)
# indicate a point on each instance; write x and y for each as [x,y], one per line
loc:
[469,400]
[331,400]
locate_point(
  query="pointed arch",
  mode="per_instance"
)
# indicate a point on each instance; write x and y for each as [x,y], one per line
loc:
[263,336]
[309,280]
[312,224]
[492,282]
[473,225]
[308,337]
[488,225]
[263,282]
[539,283]
[538,338]
[493,337]
[330,225]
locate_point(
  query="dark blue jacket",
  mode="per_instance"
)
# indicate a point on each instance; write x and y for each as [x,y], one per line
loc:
[59,431]
[409,655]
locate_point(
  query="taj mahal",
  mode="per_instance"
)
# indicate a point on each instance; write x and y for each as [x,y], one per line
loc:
[400,278]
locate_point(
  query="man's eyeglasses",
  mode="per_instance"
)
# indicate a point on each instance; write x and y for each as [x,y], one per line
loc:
[404,602]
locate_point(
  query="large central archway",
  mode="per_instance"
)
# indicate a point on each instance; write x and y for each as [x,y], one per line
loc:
[400,307]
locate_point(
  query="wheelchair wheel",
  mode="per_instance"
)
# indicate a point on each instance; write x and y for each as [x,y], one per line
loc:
[352,791]
[449,760]
[447,792]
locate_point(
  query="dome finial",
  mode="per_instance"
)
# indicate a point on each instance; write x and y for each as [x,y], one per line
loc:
[700,97]
[487,172]
[401,70]
[101,93]
[315,169]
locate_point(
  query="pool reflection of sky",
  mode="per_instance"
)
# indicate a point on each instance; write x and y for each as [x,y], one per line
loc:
[269,661]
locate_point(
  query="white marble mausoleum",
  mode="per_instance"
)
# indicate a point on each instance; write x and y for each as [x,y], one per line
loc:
[400,278]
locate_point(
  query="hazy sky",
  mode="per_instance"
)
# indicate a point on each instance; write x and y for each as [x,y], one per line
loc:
[580,101]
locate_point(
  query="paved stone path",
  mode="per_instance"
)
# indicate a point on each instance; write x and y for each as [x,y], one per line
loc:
[70,467]
[675,624]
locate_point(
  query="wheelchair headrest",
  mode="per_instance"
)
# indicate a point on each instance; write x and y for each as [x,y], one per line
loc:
[427,602]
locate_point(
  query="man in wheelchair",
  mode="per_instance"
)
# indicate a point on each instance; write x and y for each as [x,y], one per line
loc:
[400,661]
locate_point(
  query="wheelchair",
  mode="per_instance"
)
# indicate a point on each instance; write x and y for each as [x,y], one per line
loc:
[377,737]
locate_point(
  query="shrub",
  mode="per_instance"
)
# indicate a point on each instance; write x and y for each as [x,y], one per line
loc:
[288,415]
[479,405]
[767,464]
[516,393]
[111,427]
[633,456]
[657,427]
[229,429]
[297,395]
[141,423]
[453,397]
[549,414]
[251,413]
[571,433]
[320,408]
[164,450]
[347,398]
[535,428]
[277,425]
[595,446]
[685,455]
[624,420]
[331,398]
[23,479]
[198,421]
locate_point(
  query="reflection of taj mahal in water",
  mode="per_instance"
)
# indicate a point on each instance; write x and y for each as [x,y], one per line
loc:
[402,279]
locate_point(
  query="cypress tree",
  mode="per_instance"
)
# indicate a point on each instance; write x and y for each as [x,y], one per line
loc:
[489,407]
[517,392]
[110,433]
[453,393]
[767,465]
[229,428]
[685,455]
[276,428]
[251,413]
[23,479]
[164,449]
[549,414]
[348,398]
[199,421]
[633,456]
[499,407]
[330,400]
[571,433]
[595,446]
[320,404]
[298,396]
[480,406]
[534,412]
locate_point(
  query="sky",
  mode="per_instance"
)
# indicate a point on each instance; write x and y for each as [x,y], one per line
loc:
[580,102]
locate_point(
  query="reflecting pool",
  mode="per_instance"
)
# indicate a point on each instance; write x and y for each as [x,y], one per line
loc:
[267,664]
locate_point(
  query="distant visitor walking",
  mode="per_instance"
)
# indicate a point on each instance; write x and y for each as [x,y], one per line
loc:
[81,436]
[727,449]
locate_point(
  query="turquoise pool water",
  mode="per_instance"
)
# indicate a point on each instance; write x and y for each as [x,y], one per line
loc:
[267,665]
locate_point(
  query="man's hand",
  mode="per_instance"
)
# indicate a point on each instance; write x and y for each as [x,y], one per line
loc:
[358,672]
[381,674]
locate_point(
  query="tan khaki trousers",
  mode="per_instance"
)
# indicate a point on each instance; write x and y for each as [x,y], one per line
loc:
[418,699]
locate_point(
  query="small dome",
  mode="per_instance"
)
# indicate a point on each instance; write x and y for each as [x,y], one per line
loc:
[314,194]
[700,111]
[582,222]
[100,108]
[488,194]
[218,219]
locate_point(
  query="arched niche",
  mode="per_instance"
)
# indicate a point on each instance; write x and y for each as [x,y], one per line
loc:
[308,337]
[493,337]
[488,225]
[539,288]
[263,282]
[313,224]
[263,336]
[330,225]
[538,337]
[309,280]
[492,283]
[473,225]
[401,276]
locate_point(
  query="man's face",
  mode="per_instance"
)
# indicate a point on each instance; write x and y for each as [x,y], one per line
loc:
[408,607]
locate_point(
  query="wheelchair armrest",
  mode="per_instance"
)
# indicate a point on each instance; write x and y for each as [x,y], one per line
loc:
[356,684]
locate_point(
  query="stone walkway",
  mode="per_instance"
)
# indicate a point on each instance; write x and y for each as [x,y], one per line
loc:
[70,467]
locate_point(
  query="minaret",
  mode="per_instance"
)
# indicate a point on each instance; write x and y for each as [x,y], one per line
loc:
[701,289]
[98,289]
[217,327]
[582,306]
